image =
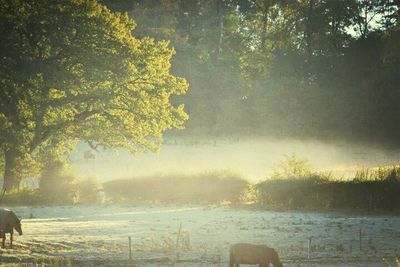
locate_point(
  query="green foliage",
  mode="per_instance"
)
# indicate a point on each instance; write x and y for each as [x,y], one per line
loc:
[57,184]
[385,173]
[22,197]
[292,168]
[89,191]
[73,70]
[250,195]
[201,188]
[372,189]
[310,68]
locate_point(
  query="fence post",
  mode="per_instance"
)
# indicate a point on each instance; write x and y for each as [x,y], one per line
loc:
[360,237]
[309,246]
[130,248]
[177,240]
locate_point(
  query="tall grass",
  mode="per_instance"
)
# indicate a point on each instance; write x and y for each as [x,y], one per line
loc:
[381,173]
[371,189]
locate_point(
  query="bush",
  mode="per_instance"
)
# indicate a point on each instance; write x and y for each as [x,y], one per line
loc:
[250,195]
[372,189]
[23,196]
[56,184]
[201,188]
[293,167]
[89,191]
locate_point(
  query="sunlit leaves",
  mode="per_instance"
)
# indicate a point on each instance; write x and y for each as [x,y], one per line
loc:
[78,73]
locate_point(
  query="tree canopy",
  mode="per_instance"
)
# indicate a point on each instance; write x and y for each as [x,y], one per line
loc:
[325,69]
[72,70]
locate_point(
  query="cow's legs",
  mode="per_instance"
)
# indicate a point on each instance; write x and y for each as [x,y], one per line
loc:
[11,239]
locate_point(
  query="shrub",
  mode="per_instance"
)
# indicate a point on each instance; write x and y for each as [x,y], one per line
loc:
[89,191]
[372,189]
[56,183]
[251,195]
[293,167]
[212,187]
[22,196]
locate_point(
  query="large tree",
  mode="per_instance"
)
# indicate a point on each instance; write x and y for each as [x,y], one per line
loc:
[71,70]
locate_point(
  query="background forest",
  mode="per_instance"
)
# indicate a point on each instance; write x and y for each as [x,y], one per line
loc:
[304,69]
[151,132]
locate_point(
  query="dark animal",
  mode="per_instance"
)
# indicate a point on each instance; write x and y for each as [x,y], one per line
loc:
[8,222]
[262,255]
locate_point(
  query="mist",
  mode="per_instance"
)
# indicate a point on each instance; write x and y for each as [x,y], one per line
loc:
[254,159]
[277,125]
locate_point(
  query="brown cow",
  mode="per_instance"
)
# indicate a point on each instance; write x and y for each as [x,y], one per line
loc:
[8,222]
[262,255]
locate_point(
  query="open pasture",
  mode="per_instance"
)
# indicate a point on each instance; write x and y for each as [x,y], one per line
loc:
[197,236]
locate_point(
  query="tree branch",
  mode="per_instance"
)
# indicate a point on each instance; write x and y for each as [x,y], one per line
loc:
[49,130]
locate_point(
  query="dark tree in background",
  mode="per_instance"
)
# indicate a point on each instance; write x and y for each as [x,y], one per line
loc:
[304,68]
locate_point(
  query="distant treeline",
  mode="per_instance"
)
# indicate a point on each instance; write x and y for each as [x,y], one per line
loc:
[312,68]
[321,194]
[293,186]
[296,186]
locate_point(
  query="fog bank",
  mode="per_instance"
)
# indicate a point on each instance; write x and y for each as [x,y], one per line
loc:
[254,159]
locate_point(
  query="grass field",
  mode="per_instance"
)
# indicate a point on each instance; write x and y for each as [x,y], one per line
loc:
[98,236]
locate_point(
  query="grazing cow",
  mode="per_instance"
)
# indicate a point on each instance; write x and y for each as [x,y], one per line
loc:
[262,255]
[8,222]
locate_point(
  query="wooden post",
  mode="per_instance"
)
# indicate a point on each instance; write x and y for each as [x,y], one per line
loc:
[178,235]
[130,248]
[309,246]
[360,237]
[177,241]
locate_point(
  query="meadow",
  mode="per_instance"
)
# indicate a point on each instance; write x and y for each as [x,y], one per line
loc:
[197,236]
[191,220]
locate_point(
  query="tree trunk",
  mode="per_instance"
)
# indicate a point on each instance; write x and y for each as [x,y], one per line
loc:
[309,31]
[220,16]
[264,27]
[364,31]
[11,177]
